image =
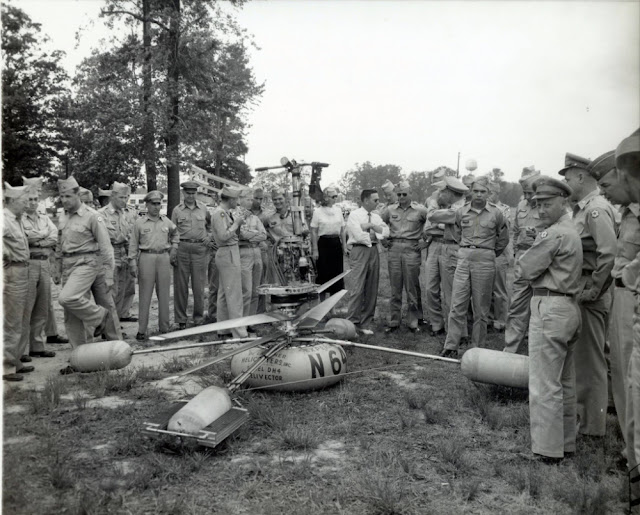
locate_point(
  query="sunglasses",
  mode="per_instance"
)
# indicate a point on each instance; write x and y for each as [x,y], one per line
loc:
[155,203]
[334,196]
[403,194]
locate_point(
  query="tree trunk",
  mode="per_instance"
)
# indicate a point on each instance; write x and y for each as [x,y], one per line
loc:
[173,104]
[148,129]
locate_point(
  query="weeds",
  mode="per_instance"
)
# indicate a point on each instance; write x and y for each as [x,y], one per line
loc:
[60,473]
[453,455]
[298,439]
[434,416]
[385,495]
[469,489]
[48,398]
[175,364]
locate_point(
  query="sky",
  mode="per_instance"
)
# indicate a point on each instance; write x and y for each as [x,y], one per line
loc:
[414,83]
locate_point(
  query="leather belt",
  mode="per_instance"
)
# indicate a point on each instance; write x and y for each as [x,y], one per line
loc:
[544,292]
[149,251]
[438,239]
[72,254]
[117,245]
[39,257]
[618,282]
[404,240]
[248,244]
[190,241]
[587,272]
[15,263]
[475,247]
[363,244]
[450,242]
[329,236]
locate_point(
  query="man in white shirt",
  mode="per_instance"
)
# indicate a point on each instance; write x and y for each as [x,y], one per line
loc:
[364,229]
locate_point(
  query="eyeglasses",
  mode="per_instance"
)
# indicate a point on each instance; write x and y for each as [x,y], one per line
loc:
[155,203]
[334,196]
[403,194]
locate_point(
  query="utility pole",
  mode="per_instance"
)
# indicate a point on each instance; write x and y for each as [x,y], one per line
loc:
[458,166]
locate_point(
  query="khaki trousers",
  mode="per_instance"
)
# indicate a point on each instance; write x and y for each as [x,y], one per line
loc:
[364,276]
[633,397]
[553,330]
[433,282]
[120,277]
[473,280]
[15,314]
[191,264]
[213,288]
[104,297]
[154,272]
[230,304]
[81,314]
[591,367]
[621,346]
[519,311]
[500,299]
[38,301]
[251,270]
[404,273]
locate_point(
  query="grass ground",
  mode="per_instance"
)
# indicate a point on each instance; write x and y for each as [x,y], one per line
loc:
[412,437]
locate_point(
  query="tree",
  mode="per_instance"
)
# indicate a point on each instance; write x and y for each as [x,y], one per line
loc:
[368,176]
[34,89]
[200,71]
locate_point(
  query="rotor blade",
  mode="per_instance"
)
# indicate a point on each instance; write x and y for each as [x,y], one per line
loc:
[247,346]
[375,347]
[193,345]
[332,281]
[317,313]
[238,381]
[263,318]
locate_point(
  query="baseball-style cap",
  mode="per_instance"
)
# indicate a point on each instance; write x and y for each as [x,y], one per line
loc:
[548,187]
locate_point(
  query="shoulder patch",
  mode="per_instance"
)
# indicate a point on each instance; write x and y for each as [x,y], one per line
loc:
[222,214]
[99,219]
[595,213]
[544,234]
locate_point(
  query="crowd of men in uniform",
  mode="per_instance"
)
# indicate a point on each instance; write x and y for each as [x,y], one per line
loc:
[575,274]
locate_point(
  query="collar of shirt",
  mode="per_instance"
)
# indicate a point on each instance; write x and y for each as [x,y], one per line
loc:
[184,206]
[587,198]
[634,208]
[147,217]
[286,213]
[33,217]
[9,214]
[80,211]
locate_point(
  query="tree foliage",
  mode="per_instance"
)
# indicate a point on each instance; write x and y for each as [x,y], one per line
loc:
[368,176]
[34,92]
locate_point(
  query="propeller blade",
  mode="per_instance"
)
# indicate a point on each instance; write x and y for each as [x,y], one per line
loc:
[332,281]
[247,346]
[263,318]
[317,313]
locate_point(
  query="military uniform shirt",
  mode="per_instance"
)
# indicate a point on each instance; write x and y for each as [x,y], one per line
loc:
[41,233]
[16,245]
[553,261]
[252,230]
[280,226]
[155,235]
[194,223]
[405,223]
[594,219]
[433,228]
[84,231]
[527,216]
[447,217]
[117,223]
[487,229]
[628,239]
[221,221]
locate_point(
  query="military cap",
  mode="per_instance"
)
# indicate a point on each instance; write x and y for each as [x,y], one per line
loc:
[228,191]
[65,185]
[388,186]
[404,185]
[118,187]
[32,181]
[527,173]
[483,180]
[85,194]
[454,184]
[467,180]
[190,185]
[548,187]
[245,192]
[15,191]
[527,184]
[153,195]
[574,161]
[278,192]
[439,174]
[602,165]
[104,193]
[629,145]
[442,184]
[331,189]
